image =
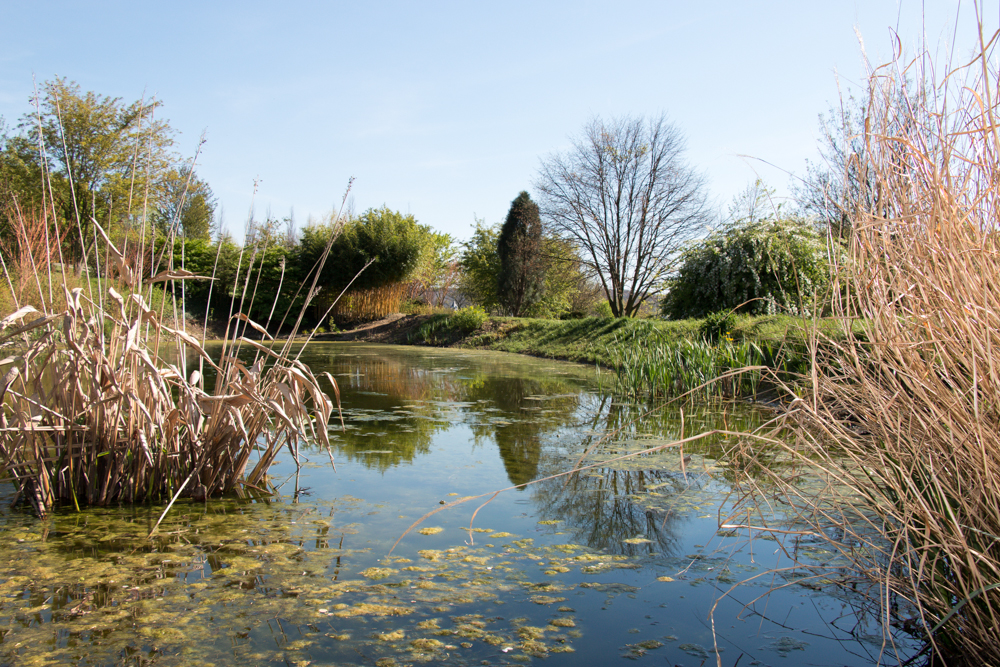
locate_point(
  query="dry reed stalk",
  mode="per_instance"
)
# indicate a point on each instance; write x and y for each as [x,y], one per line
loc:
[90,415]
[903,422]
[30,249]
[98,406]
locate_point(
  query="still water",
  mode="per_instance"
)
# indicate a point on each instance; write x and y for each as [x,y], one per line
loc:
[622,561]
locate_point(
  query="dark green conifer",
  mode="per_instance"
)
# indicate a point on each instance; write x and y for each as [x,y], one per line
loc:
[521,282]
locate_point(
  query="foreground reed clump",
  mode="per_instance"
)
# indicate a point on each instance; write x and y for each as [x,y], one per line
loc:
[99,403]
[903,420]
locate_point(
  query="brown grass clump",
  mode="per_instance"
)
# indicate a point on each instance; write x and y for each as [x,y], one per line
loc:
[99,403]
[904,416]
[95,412]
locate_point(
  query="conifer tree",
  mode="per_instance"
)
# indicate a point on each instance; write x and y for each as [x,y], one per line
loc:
[521,282]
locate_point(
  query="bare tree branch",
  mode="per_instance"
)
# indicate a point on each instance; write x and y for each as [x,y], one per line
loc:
[627,199]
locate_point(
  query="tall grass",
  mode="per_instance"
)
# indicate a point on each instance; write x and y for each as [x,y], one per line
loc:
[656,366]
[442,328]
[904,416]
[372,303]
[99,403]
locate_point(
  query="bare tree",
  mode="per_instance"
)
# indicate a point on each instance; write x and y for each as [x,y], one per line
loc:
[841,184]
[625,196]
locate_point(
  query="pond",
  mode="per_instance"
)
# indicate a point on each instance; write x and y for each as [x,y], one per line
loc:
[622,560]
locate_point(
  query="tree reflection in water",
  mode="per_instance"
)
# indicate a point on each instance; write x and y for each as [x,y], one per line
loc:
[598,509]
[527,408]
[393,407]
[397,402]
[601,506]
[386,408]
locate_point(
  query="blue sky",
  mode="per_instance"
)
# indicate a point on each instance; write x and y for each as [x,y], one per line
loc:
[444,109]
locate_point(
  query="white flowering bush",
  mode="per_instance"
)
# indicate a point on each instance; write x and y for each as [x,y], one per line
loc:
[752,266]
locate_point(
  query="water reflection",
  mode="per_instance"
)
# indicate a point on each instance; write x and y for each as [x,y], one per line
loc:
[540,424]
[524,409]
[284,582]
[598,509]
[393,409]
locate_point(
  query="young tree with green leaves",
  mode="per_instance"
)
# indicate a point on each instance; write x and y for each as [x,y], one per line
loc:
[104,148]
[104,159]
[437,268]
[480,265]
[187,203]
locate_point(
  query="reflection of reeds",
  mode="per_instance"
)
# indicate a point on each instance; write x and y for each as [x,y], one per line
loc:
[904,419]
[92,410]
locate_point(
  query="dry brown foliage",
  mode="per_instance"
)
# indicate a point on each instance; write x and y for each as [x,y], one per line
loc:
[371,304]
[903,420]
[30,253]
[100,403]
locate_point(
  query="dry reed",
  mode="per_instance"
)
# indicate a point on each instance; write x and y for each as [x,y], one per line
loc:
[99,403]
[903,421]
[372,303]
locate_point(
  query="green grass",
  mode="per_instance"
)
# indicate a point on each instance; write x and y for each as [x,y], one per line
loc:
[593,340]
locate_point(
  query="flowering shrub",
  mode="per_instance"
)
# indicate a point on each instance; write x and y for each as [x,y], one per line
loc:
[756,267]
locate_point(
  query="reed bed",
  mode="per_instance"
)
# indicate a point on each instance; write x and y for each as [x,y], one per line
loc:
[903,418]
[100,404]
[654,367]
[373,303]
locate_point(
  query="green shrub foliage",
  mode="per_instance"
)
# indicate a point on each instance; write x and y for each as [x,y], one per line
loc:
[467,319]
[564,285]
[480,267]
[716,325]
[521,281]
[752,266]
[390,241]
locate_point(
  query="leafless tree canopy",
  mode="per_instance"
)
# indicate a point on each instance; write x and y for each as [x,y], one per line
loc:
[625,196]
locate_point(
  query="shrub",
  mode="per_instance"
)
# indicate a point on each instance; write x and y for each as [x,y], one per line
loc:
[752,266]
[467,319]
[716,325]
[603,309]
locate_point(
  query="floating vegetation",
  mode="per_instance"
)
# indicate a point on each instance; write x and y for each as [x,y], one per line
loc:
[546,599]
[211,570]
[377,572]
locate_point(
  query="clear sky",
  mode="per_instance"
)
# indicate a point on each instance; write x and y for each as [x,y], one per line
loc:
[444,109]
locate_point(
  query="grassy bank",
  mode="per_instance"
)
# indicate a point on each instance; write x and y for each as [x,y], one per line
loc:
[652,357]
[591,340]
